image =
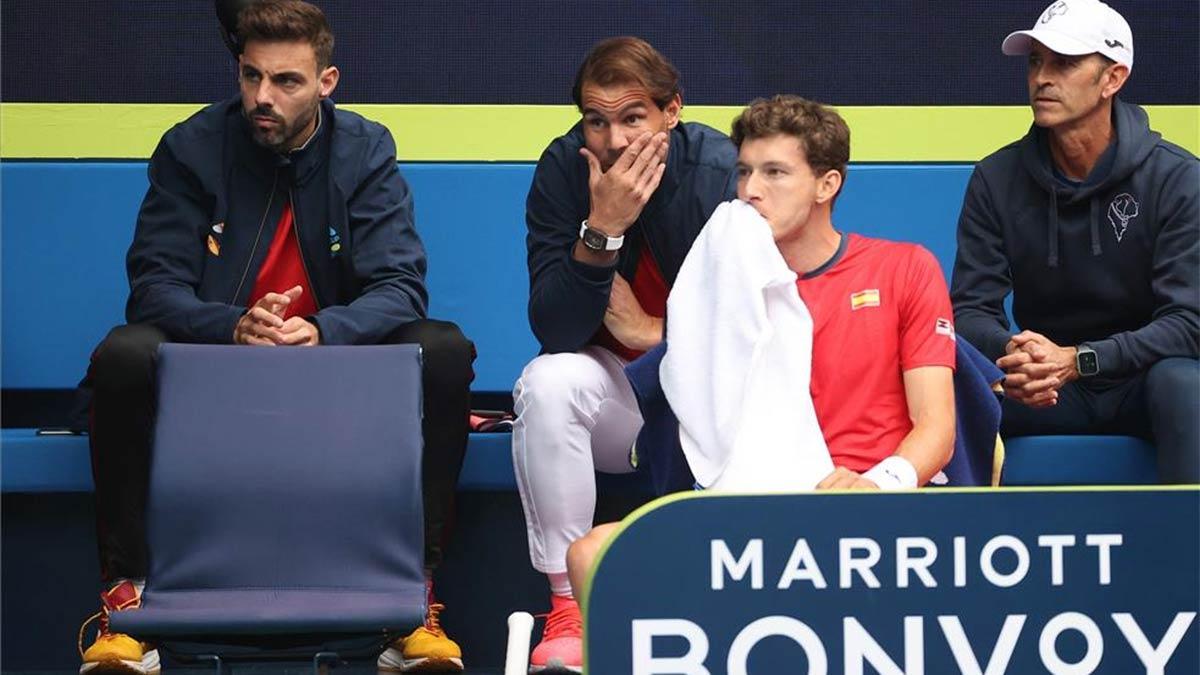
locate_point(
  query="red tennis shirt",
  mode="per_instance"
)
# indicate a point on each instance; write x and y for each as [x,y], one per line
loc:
[879,308]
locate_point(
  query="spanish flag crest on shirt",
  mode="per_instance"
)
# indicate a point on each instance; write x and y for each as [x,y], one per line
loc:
[864,298]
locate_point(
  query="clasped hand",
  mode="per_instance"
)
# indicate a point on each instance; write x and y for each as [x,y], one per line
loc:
[1035,369]
[264,325]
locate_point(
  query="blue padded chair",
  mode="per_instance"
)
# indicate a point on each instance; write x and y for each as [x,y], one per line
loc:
[284,512]
[1079,460]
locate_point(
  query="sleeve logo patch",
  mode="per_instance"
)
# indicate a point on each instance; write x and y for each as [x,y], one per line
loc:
[944,327]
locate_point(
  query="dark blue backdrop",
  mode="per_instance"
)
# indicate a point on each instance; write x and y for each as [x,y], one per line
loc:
[855,52]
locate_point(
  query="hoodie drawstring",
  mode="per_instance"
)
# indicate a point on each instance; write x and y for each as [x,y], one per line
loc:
[1052,231]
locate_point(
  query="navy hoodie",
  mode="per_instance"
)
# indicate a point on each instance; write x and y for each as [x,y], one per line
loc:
[1112,262]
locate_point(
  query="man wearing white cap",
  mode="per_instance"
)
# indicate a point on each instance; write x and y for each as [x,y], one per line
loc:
[1091,222]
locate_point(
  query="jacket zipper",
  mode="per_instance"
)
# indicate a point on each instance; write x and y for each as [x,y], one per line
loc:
[262,223]
[300,250]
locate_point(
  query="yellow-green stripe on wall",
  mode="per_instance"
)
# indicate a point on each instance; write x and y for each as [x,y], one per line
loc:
[488,133]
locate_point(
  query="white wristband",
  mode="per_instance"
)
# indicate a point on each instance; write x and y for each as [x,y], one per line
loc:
[893,473]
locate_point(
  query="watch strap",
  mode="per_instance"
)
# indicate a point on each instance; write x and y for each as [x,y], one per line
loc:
[598,241]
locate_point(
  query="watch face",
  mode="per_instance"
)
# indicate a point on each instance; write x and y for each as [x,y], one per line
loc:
[594,240]
[1087,363]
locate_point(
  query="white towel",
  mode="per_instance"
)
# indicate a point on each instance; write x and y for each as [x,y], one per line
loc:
[739,361]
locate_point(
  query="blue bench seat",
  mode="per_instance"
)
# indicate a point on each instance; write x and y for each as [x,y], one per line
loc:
[477,278]
[32,463]
[1079,460]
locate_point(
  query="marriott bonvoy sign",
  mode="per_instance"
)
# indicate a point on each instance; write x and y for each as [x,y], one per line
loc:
[977,582]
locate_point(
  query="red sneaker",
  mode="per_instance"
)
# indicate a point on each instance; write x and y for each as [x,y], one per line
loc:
[561,648]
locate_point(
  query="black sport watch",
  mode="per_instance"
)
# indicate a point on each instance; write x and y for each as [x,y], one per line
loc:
[1086,361]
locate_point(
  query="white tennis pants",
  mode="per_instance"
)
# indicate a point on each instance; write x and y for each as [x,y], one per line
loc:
[576,414]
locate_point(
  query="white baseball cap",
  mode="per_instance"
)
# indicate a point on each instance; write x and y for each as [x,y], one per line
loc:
[1075,27]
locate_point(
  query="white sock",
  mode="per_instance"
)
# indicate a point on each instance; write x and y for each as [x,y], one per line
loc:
[560,584]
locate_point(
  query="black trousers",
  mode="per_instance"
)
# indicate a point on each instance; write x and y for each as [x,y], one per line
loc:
[122,379]
[1161,404]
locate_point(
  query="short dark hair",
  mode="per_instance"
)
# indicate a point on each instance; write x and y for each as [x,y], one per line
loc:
[823,134]
[628,60]
[287,21]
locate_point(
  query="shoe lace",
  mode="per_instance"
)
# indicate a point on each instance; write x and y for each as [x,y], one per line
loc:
[107,604]
[83,629]
[565,621]
[432,619]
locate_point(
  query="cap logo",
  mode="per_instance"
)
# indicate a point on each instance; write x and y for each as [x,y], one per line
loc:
[1114,43]
[1057,9]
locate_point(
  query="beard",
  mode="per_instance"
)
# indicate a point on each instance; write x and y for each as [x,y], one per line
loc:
[282,136]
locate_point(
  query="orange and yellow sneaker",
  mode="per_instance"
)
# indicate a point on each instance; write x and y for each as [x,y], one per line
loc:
[425,650]
[117,653]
